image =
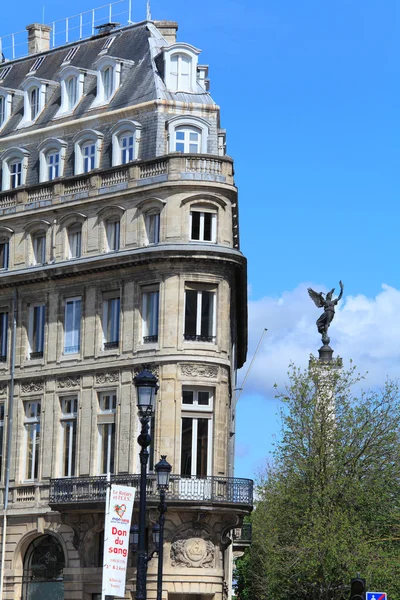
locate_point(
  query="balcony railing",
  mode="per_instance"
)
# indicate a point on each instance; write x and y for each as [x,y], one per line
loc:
[243,535]
[199,338]
[225,490]
[150,339]
[172,167]
[111,345]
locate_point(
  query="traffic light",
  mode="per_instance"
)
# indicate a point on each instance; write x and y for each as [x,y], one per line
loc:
[357,589]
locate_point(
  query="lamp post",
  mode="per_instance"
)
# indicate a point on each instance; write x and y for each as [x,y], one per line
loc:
[163,471]
[146,386]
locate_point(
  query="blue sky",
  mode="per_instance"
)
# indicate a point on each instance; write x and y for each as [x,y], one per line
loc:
[309,93]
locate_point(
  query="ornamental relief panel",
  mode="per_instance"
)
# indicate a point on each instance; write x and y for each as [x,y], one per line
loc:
[68,382]
[154,369]
[193,552]
[3,390]
[29,387]
[194,370]
[107,377]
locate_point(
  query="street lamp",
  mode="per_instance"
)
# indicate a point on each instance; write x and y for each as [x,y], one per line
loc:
[146,387]
[163,471]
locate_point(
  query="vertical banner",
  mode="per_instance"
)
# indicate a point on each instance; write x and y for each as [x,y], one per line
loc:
[116,540]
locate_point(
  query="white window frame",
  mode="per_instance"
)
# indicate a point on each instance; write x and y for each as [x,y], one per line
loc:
[105,421]
[109,304]
[84,139]
[191,53]
[121,129]
[51,146]
[28,422]
[195,412]
[74,234]
[200,289]
[152,220]
[67,74]
[152,332]
[75,335]
[104,63]
[41,332]
[11,156]
[28,86]
[5,112]
[68,418]
[5,262]
[202,212]
[187,123]
[39,260]
[115,224]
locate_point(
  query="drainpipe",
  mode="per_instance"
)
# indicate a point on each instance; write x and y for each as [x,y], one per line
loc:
[9,438]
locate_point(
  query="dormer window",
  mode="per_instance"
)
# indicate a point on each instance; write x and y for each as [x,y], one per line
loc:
[125,142]
[188,134]
[15,173]
[71,90]
[108,79]
[5,104]
[34,99]
[187,139]
[14,168]
[87,151]
[72,80]
[51,159]
[2,110]
[34,103]
[180,67]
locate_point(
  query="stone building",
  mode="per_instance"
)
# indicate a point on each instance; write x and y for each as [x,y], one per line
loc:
[119,247]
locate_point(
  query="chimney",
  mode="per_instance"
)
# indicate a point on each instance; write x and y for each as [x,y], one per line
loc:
[38,38]
[168,30]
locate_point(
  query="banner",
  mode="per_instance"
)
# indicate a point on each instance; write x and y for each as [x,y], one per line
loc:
[116,539]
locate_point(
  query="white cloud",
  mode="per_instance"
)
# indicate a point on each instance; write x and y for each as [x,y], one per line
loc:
[366,330]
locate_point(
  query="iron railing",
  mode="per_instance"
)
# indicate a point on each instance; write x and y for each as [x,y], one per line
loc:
[243,534]
[199,338]
[233,490]
[111,345]
[148,339]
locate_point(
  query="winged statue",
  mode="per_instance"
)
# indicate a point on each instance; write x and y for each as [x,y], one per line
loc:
[325,301]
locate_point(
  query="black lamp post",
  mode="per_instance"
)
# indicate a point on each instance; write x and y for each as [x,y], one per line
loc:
[146,386]
[163,471]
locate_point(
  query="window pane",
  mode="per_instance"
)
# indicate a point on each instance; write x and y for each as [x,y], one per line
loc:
[75,242]
[193,148]
[2,110]
[196,225]
[186,447]
[203,398]
[72,326]
[3,335]
[37,343]
[187,397]
[69,448]
[4,255]
[190,312]
[207,314]
[112,310]
[180,135]
[208,227]
[113,235]
[107,443]
[202,447]
[193,136]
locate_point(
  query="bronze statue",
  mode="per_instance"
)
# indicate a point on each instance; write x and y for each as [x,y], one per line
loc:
[329,310]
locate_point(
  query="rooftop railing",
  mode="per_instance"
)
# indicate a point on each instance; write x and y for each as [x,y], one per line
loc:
[224,490]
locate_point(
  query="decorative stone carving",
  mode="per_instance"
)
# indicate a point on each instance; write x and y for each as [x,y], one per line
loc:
[3,390]
[107,377]
[68,382]
[85,528]
[205,371]
[154,369]
[32,386]
[193,552]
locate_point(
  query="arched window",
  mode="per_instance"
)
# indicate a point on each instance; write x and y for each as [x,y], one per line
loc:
[87,151]
[34,99]
[51,159]
[108,79]
[71,81]
[187,139]
[125,142]
[181,73]
[71,88]
[180,68]
[108,83]
[34,103]
[75,241]
[43,569]
[188,135]
[14,168]
[152,225]
[113,233]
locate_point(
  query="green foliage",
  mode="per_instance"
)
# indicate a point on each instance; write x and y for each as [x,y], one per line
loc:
[328,506]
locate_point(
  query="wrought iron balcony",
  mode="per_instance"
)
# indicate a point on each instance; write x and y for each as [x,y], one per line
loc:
[150,339]
[38,354]
[242,535]
[199,338]
[111,345]
[87,490]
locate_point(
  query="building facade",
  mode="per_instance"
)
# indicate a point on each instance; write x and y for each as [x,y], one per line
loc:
[119,249]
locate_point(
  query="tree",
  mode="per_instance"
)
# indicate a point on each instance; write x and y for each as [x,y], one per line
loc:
[328,504]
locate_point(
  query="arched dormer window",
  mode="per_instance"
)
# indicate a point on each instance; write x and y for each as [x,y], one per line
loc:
[5,105]
[87,147]
[180,67]
[51,159]
[188,134]
[108,79]
[34,99]
[111,220]
[125,142]
[71,81]
[14,168]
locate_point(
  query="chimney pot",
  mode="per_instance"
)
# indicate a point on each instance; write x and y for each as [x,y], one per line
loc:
[38,38]
[168,30]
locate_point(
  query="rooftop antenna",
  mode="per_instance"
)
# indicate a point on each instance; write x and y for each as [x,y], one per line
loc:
[148,15]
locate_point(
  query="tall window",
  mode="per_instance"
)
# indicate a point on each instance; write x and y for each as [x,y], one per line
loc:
[32,439]
[196,436]
[4,254]
[181,73]
[1,437]
[53,165]
[72,330]
[15,173]
[3,336]
[39,248]
[36,330]
[127,143]
[203,226]
[75,241]
[153,227]
[69,407]
[200,311]
[89,156]
[71,89]
[2,110]
[113,235]
[107,77]
[34,103]
[150,315]
[106,429]
[111,318]
[187,139]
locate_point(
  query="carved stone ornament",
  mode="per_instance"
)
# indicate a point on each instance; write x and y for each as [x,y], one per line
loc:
[193,552]
[3,390]
[206,371]
[107,377]
[68,382]
[154,369]
[32,386]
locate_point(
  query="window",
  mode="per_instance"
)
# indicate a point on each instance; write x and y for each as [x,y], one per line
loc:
[53,165]
[181,73]
[106,432]
[72,85]
[34,99]
[32,439]
[14,168]
[125,141]
[127,148]
[196,436]
[51,158]
[39,248]
[34,103]
[3,336]
[203,226]
[1,437]
[4,254]
[188,134]
[15,173]
[111,318]
[69,408]
[112,235]
[2,110]
[37,63]
[75,241]
[89,157]
[71,54]
[187,139]
[36,330]
[71,88]
[152,221]
[200,312]
[150,316]
[72,327]
[108,79]
[87,151]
